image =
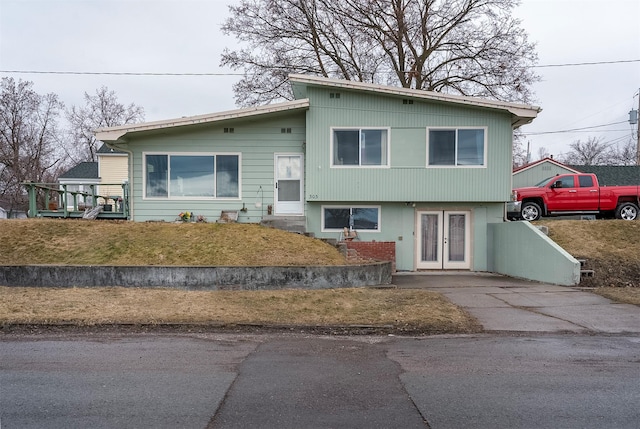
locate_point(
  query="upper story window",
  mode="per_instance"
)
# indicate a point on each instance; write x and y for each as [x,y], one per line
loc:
[462,147]
[360,147]
[192,176]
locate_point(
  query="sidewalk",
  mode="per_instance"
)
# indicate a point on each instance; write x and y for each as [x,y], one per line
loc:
[506,304]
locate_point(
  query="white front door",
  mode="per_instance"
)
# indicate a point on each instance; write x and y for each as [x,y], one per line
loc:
[443,240]
[288,184]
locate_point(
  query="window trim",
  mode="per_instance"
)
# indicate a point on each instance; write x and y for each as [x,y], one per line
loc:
[190,198]
[332,131]
[484,154]
[350,207]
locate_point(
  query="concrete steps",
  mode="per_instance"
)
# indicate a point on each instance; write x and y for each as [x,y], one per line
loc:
[297,224]
[584,272]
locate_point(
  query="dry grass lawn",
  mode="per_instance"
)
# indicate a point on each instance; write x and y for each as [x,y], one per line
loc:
[602,239]
[76,242]
[625,295]
[611,248]
[396,310]
[81,242]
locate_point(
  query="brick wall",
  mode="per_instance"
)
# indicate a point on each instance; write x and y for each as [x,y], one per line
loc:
[362,251]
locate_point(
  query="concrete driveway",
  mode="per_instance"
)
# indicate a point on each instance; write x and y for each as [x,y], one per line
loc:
[512,305]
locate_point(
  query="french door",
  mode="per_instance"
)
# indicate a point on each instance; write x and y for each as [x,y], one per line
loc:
[288,182]
[443,240]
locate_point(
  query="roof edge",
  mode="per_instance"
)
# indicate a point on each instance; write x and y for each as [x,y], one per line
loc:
[543,160]
[524,113]
[116,134]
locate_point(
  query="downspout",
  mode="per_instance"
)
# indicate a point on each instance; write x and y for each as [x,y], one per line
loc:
[129,173]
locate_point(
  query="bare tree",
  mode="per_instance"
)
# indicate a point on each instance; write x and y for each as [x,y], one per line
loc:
[100,110]
[467,47]
[28,139]
[626,153]
[543,153]
[591,152]
[520,152]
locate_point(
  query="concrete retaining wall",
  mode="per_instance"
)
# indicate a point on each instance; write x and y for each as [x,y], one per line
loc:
[518,249]
[198,278]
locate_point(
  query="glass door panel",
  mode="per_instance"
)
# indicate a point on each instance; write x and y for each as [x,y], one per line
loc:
[288,184]
[429,244]
[443,240]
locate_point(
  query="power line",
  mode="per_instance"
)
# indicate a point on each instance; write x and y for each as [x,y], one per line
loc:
[573,130]
[587,63]
[58,72]
[117,73]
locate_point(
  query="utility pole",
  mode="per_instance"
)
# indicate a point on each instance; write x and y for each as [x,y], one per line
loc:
[633,120]
[638,132]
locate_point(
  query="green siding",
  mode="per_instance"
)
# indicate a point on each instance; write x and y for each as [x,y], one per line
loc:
[256,140]
[407,179]
[397,223]
[541,259]
[482,191]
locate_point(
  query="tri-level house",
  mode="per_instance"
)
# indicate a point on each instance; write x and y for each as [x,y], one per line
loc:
[427,171]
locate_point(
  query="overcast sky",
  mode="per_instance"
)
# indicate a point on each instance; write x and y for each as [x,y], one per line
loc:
[183,36]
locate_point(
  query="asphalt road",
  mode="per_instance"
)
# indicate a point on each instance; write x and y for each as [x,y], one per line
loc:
[294,381]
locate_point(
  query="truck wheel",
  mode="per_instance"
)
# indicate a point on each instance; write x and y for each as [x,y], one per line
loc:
[627,211]
[530,211]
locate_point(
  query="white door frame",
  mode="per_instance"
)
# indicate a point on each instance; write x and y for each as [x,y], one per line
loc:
[293,208]
[441,259]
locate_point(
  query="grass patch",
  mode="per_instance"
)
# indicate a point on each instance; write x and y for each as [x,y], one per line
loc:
[625,295]
[601,239]
[80,242]
[399,310]
[610,247]
[75,242]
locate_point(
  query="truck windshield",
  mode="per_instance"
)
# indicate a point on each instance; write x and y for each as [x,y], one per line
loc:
[543,182]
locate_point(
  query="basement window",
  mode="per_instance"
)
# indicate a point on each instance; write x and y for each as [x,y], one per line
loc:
[360,218]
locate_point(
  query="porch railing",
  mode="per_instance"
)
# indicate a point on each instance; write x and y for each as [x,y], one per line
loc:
[64,200]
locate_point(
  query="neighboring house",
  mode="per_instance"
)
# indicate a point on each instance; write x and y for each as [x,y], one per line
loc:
[535,172]
[613,175]
[80,178]
[106,175]
[427,171]
[7,212]
[112,169]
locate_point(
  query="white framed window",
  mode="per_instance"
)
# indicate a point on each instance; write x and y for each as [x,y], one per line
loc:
[360,218]
[360,147]
[192,175]
[457,147]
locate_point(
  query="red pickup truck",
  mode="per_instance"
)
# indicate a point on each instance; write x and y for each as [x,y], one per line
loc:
[570,194]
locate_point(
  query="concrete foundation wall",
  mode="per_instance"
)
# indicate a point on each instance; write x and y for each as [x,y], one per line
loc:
[198,278]
[518,249]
